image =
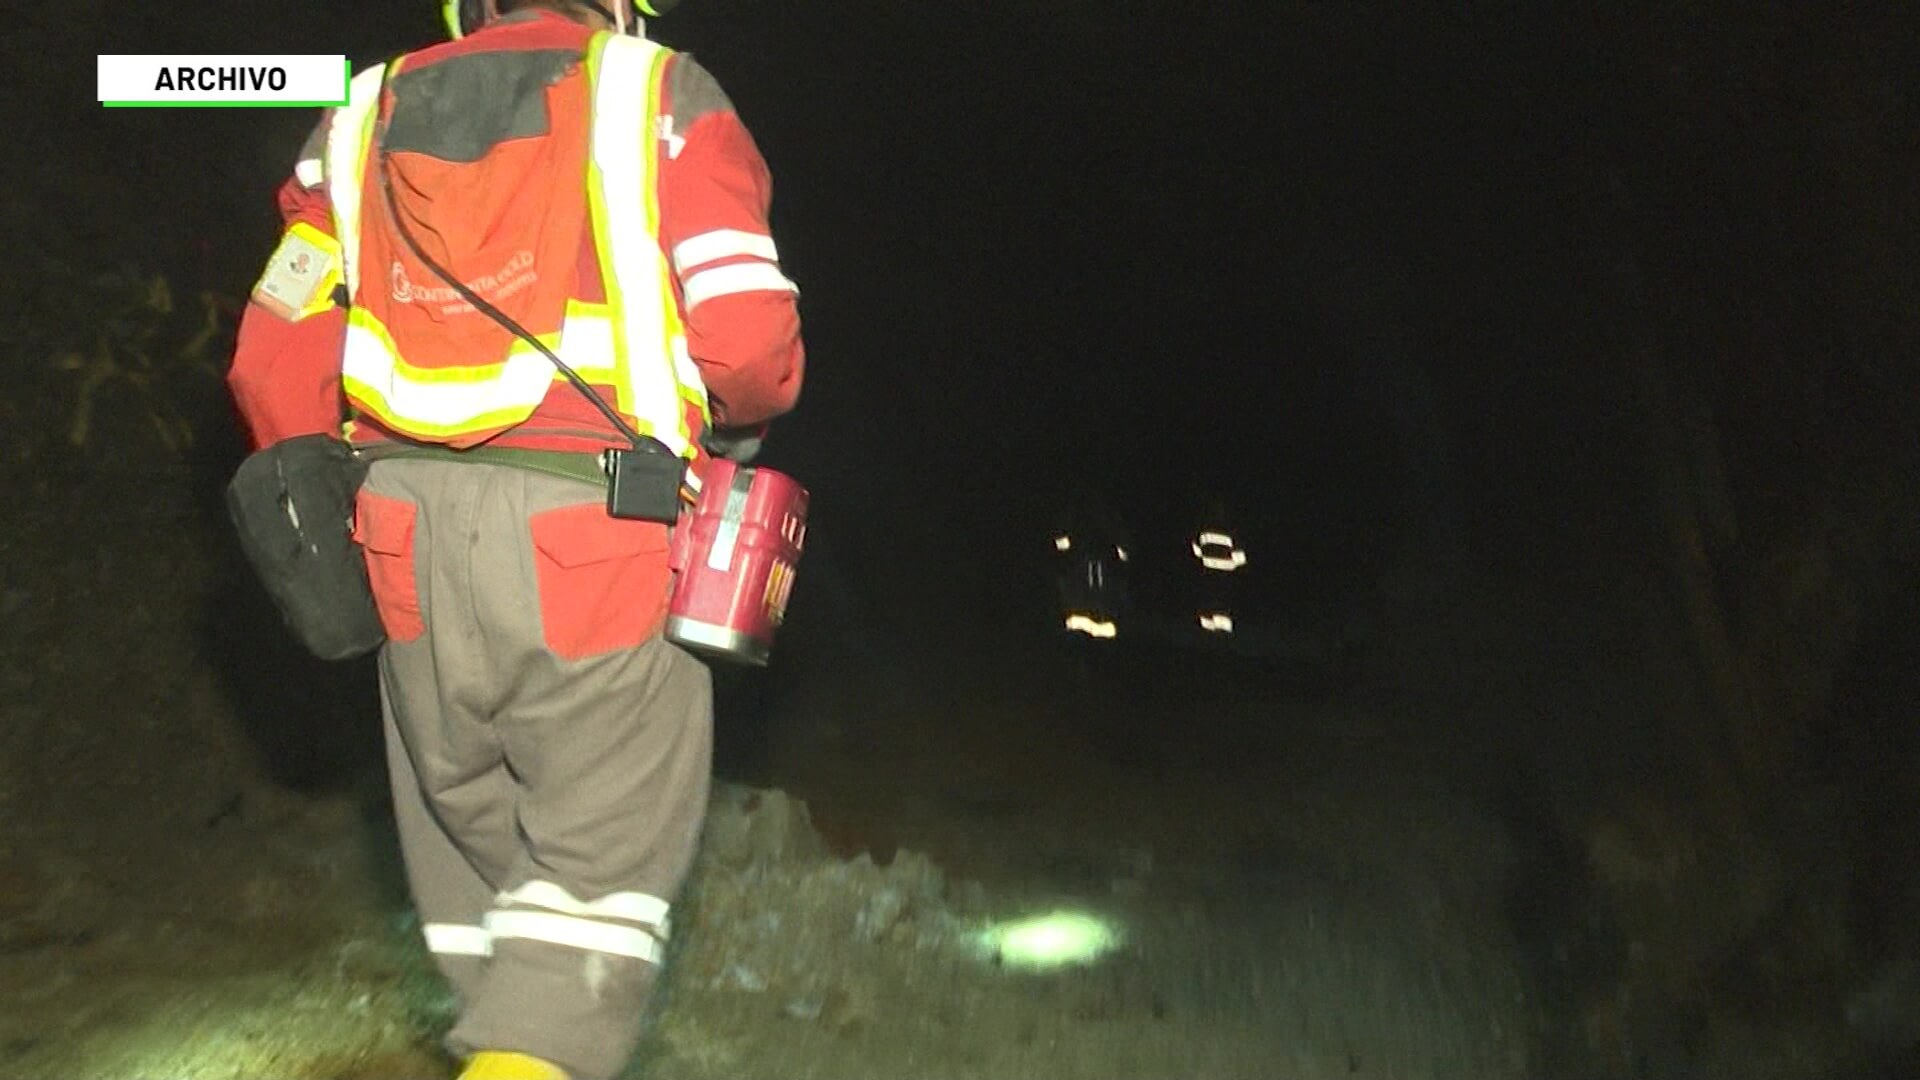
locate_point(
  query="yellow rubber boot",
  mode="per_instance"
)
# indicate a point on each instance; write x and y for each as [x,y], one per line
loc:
[508,1065]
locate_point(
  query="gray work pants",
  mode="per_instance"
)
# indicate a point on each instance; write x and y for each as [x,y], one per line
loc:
[550,753]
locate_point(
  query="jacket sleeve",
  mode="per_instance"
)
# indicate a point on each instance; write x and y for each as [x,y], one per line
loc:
[285,375]
[742,318]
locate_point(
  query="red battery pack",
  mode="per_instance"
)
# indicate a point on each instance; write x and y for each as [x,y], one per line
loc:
[735,553]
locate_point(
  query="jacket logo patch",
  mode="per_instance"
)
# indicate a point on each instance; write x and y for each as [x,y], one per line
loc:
[516,274]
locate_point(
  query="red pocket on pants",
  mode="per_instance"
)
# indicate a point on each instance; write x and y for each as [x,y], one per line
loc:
[383,526]
[604,582]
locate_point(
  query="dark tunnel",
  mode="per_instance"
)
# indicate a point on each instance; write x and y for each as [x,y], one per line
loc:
[1342,540]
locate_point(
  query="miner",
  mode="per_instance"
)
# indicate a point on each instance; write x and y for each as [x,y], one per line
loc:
[511,259]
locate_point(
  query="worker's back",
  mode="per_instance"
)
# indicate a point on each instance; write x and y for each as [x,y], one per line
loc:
[483,154]
[549,170]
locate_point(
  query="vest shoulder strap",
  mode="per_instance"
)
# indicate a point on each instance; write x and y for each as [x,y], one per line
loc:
[349,133]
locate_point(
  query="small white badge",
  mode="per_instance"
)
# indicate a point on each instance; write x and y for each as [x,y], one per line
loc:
[295,275]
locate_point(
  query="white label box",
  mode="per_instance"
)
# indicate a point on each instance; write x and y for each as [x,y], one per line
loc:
[214,81]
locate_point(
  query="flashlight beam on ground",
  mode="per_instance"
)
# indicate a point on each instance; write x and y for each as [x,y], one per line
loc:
[1057,939]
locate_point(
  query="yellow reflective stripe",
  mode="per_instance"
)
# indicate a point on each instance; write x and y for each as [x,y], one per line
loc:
[370,380]
[446,402]
[625,169]
[585,342]
[349,136]
[370,399]
[673,335]
[603,235]
[369,112]
[362,319]
[583,325]
[435,402]
[693,389]
[689,388]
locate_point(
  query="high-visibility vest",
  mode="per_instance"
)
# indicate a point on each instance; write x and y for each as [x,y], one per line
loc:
[635,342]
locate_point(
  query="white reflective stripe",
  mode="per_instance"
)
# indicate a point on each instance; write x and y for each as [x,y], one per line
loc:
[453,939]
[1218,622]
[311,172]
[348,129]
[523,381]
[623,154]
[633,906]
[720,244]
[586,345]
[688,373]
[1206,548]
[574,932]
[739,278]
[1092,627]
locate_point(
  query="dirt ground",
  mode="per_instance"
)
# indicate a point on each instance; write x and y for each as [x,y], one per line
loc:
[197,879]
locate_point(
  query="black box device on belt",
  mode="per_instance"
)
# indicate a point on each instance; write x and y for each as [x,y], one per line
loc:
[644,484]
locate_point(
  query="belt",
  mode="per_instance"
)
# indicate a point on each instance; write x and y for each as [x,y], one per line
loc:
[568,465]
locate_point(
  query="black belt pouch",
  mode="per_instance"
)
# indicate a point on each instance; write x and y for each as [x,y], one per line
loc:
[292,504]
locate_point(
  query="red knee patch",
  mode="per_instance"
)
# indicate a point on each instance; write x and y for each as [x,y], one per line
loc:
[383,526]
[604,582]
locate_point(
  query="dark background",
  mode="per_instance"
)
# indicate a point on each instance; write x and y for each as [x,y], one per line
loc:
[1604,315]
[1380,275]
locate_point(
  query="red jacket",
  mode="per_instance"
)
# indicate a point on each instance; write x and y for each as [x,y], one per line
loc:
[286,374]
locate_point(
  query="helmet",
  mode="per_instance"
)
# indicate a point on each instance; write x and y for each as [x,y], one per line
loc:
[465,16]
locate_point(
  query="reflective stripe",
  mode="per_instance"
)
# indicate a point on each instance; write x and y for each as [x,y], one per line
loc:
[634,342]
[584,343]
[1092,627]
[693,388]
[311,172]
[448,401]
[372,368]
[1232,559]
[574,932]
[720,244]
[623,185]
[453,939]
[349,132]
[738,278]
[632,906]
